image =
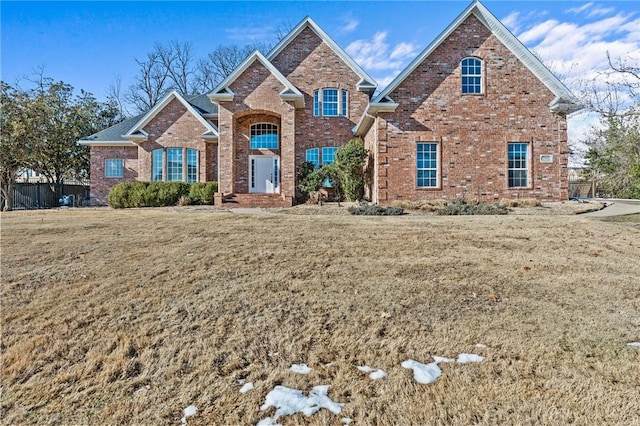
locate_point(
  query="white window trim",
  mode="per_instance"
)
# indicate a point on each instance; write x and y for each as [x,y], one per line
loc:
[277,134]
[318,95]
[482,74]
[437,185]
[106,168]
[527,162]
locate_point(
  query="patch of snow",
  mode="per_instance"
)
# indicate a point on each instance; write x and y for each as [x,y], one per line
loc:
[378,374]
[465,358]
[300,368]
[240,381]
[289,401]
[188,412]
[246,388]
[423,373]
[634,344]
[346,420]
[364,368]
[440,359]
[272,354]
[480,345]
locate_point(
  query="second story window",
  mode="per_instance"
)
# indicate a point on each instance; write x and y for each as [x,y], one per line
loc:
[471,76]
[330,102]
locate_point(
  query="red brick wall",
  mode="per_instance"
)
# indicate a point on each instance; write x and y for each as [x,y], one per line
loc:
[100,186]
[472,130]
[257,100]
[175,127]
[311,64]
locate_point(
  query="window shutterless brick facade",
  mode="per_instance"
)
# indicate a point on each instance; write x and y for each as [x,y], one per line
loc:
[472,130]
[474,116]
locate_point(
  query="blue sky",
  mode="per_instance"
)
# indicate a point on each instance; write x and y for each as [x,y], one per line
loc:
[88,44]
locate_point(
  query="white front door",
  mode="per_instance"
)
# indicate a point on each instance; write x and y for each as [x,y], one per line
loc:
[264,174]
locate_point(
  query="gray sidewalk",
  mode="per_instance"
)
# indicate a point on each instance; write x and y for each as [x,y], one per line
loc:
[617,208]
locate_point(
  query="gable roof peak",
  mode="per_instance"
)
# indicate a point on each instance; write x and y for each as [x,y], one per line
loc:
[136,133]
[222,92]
[366,83]
[564,100]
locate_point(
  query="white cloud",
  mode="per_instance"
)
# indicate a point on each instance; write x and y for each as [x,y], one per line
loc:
[251,34]
[350,24]
[375,54]
[599,11]
[580,9]
[511,21]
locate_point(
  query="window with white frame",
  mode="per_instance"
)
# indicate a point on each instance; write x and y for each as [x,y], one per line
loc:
[313,156]
[178,161]
[113,167]
[427,165]
[192,165]
[518,164]
[264,136]
[174,164]
[157,165]
[471,76]
[330,102]
[328,157]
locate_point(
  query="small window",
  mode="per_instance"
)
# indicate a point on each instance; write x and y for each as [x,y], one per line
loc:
[330,102]
[345,103]
[174,164]
[264,136]
[518,160]
[328,157]
[156,165]
[113,168]
[329,154]
[471,76]
[313,156]
[192,165]
[427,165]
[316,103]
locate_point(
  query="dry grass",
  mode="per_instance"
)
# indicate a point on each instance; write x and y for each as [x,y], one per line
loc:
[127,317]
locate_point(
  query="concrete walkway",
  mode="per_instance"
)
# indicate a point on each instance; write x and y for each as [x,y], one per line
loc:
[616,208]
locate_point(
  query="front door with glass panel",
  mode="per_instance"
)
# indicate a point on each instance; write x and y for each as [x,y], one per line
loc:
[264,174]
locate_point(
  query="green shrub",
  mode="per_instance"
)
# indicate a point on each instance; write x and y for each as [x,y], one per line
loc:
[159,194]
[461,207]
[375,210]
[202,193]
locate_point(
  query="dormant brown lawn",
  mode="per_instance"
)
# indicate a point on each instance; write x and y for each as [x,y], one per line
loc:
[128,317]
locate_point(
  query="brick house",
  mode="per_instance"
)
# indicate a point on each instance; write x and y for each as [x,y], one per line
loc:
[475,115]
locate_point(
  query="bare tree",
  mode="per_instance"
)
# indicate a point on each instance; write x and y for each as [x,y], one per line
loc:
[177,59]
[116,97]
[151,83]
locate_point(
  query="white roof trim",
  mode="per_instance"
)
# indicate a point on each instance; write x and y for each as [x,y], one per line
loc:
[507,38]
[364,124]
[106,143]
[289,93]
[136,132]
[366,83]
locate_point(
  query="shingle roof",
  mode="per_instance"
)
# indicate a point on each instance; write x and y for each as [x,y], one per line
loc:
[115,132]
[114,135]
[202,104]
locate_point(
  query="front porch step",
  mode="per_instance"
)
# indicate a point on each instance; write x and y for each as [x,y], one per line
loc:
[254,200]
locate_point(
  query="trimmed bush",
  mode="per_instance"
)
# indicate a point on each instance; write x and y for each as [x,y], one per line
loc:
[365,209]
[461,207]
[160,194]
[202,193]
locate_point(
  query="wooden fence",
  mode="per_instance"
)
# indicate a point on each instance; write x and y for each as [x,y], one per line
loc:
[31,196]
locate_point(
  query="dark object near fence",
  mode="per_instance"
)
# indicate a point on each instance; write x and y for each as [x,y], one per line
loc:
[31,196]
